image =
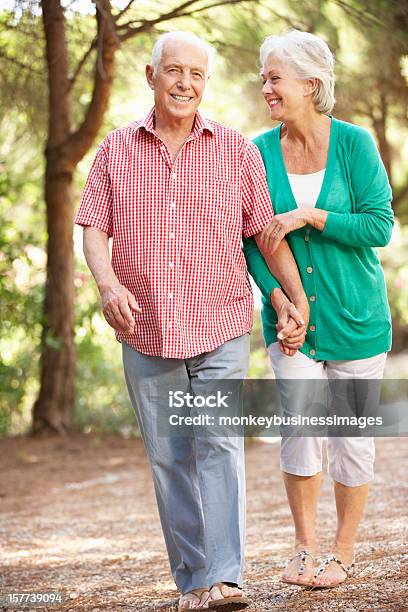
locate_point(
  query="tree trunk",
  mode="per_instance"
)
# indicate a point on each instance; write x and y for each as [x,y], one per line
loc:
[54,406]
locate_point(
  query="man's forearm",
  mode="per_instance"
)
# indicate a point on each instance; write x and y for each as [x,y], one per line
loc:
[283,266]
[96,251]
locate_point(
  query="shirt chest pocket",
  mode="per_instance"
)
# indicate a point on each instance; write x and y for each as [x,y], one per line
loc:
[220,200]
[219,183]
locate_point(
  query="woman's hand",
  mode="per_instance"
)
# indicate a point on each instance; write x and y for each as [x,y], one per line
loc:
[281,225]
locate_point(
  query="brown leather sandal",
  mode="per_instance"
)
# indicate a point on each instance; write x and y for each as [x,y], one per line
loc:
[229,603]
[197,593]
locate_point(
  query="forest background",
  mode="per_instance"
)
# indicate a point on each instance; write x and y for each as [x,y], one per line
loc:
[71,71]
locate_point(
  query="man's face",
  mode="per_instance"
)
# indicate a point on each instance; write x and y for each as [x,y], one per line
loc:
[179,80]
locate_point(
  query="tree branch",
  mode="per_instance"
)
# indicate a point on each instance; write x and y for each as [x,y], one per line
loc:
[81,140]
[81,64]
[123,11]
[361,16]
[147,25]
[105,10]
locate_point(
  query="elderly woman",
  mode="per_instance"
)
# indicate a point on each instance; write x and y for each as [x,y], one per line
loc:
[332,200]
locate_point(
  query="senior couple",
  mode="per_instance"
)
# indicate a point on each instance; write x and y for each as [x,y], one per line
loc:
[177,193]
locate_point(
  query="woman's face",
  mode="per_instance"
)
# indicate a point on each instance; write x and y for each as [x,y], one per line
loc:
[285,94]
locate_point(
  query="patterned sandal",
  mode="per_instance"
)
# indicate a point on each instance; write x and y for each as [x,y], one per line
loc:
[347,569]
[302,567]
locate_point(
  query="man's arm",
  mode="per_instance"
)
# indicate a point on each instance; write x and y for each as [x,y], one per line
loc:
[116,299]
[283,267]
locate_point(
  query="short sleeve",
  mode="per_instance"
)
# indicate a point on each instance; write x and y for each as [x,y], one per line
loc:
[95,209]
[256,202]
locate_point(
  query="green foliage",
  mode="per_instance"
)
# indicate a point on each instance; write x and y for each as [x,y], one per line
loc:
[22,69]
[22,276]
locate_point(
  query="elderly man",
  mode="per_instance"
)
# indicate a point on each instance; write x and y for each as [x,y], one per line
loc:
[176,192]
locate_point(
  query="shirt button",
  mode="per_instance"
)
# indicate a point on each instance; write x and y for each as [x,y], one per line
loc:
[171,235]
[173,205]
[312,352]
[312,328]
[170,296]
[312,298]
[171,264]
[307,237]
[309,269]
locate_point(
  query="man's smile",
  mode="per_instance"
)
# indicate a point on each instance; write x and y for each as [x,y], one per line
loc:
[180,98]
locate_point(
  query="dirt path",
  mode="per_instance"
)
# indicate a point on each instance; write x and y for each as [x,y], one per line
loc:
[78,515]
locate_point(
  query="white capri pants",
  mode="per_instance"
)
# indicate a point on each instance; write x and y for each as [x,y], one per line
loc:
[350,460]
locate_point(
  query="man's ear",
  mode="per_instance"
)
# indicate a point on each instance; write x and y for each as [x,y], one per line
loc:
[149,76]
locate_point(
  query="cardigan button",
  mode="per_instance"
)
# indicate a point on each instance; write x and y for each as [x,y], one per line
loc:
[312,327]
[312,298]
[309,269]
[312,352]
[307,237]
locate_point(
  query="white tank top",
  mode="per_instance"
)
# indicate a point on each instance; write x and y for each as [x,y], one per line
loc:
[306,187]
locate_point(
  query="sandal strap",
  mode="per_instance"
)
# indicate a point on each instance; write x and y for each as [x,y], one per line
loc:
[196,592]
[219,586]
[302,554]
[347,569]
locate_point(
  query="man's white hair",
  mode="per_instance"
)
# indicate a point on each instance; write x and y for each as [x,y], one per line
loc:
[187,37]
[311,58]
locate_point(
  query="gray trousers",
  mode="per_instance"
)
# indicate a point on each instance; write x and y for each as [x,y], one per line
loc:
[199,480]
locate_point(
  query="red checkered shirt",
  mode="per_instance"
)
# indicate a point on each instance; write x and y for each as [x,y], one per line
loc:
[177,230]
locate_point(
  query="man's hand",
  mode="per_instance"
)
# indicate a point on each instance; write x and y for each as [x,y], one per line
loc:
[292,322]
[116,304]
[281,225]
[295,339]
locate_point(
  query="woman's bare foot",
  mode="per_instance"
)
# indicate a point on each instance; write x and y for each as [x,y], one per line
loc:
[300,569]
[334,570]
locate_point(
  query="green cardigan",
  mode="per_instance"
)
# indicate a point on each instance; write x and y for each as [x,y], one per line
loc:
[339,267]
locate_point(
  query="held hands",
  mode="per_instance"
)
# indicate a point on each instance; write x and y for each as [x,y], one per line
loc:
[116,304]
[292,322]
[281,225]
